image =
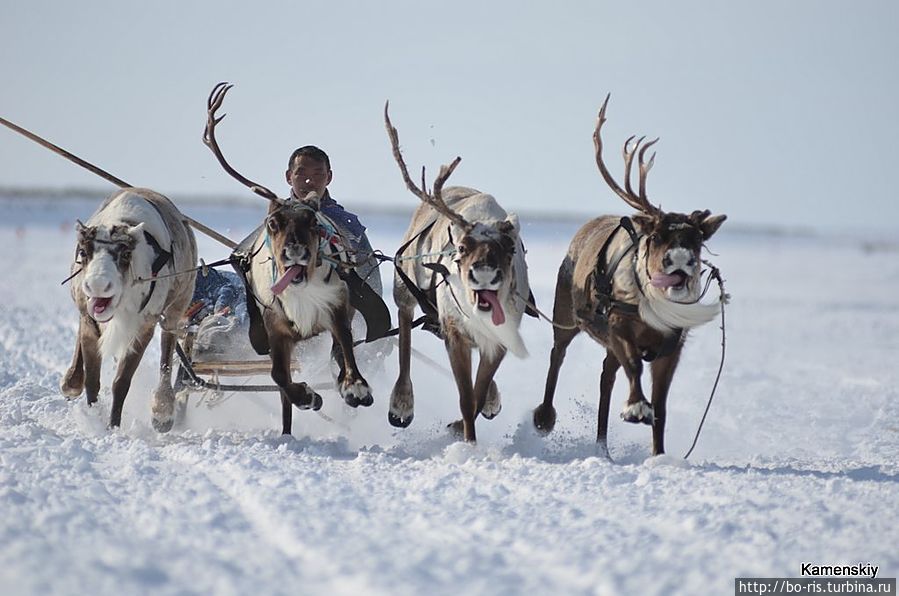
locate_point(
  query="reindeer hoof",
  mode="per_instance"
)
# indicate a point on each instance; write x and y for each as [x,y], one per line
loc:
[72,385]
[357,394]
[354,402]
[163,426]
[399,421]
[490,415]
[493,405]
[457,428]
[310,400]
[637,413]
[544,418]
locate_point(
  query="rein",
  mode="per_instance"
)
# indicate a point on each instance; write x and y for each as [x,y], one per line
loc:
[715,274]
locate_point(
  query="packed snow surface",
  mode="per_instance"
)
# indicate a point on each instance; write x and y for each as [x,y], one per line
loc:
[797,461]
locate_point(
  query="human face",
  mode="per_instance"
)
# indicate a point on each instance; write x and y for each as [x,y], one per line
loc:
[308,174]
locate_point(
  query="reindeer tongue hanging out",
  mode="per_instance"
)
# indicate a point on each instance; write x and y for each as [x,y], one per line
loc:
[488,301]
[294,272]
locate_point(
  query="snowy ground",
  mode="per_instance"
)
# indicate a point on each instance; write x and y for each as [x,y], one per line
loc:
[796,463]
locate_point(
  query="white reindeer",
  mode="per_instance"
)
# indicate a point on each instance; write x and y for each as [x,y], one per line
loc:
[481,300]
[134,236]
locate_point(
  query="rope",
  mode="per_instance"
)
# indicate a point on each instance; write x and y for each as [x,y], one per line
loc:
[108,177]
[543,316]
[204,267]
[443,253]
[715,273]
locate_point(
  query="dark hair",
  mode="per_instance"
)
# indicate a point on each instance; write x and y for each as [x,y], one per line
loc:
[309,151]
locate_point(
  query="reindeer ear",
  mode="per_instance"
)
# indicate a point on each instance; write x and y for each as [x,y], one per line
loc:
[511,224]
[710,225]
[456,233]
[643,223]
[81,229]
[137,231]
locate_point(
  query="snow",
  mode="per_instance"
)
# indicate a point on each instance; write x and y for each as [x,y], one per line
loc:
[796,463]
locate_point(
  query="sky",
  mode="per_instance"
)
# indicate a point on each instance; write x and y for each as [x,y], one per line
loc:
[771,112]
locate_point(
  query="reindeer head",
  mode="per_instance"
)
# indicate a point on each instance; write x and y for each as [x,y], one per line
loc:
[670,254]
[484,250]
[483,257]
[105,255]
[294,233]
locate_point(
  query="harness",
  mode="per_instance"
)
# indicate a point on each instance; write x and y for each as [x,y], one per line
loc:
[163,257]
[602,290]
[427,299]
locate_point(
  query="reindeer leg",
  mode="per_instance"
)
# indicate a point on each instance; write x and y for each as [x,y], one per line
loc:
[637,409]
[485,390]
[286,414]
[610,366]
[402,399]
[545,413]
[563,314]
[459,351]
[662,373]
[89,340]
[73,381]
[125,372]
[163,405]
[352,386]
[298,394]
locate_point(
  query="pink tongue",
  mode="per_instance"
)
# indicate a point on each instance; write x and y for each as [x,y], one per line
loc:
[663,280]
[99,304]
[285,280]
[499,317]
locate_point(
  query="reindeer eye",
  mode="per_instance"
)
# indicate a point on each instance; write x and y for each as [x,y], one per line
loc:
[81,253]
[460,249]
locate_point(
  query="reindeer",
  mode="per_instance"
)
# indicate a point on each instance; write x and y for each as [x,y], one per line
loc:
[635,289]
[295,272]
[481,300]
[134,236]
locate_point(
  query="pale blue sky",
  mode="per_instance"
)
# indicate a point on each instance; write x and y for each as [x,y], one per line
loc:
[767,110]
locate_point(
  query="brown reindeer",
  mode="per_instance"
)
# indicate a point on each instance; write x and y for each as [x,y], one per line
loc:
[465,235]
[634,288]
[134,236]
[295,265]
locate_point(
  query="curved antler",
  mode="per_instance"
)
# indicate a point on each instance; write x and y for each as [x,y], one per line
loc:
[638,201]
[434,199]
[216,98]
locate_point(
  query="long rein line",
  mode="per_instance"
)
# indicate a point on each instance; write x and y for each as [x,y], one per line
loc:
[716,274]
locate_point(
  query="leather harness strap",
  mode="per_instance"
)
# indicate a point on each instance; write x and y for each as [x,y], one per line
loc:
[163,257]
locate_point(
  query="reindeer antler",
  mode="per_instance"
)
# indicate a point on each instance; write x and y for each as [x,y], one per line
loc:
[637,201]
[434,199]
[216,98]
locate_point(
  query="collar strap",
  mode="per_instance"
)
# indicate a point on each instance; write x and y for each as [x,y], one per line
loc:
[163,257]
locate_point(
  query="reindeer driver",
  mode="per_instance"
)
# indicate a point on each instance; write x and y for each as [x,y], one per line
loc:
[308,170]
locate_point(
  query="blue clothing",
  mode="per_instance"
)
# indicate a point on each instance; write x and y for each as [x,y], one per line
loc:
[349,222]
[219,292]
